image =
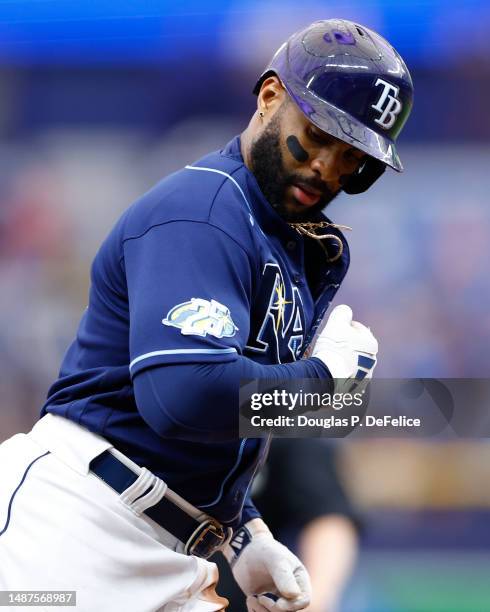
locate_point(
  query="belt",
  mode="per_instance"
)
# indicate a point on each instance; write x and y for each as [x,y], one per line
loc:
[201,539]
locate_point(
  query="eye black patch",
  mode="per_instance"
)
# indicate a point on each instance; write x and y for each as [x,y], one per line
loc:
[296,149]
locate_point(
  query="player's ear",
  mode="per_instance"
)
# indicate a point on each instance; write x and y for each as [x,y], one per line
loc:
[271,94]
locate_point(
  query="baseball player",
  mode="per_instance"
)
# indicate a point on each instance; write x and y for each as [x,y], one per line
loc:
[135,473]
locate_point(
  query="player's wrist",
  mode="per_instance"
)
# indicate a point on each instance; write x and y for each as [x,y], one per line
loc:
[339,360]
[257,526]
[252,530]
[320,368]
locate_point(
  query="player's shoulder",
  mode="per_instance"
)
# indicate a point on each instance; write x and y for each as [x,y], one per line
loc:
[210,190]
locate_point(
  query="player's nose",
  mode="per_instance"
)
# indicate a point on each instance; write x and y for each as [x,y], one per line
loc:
[329,167]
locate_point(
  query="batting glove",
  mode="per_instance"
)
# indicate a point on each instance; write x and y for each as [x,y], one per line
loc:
[346,347]
[260,565]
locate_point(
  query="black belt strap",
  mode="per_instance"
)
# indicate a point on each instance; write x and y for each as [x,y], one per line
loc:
[169,516]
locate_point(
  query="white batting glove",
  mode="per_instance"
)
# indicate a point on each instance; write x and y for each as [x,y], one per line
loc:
[346,347]
[260,565]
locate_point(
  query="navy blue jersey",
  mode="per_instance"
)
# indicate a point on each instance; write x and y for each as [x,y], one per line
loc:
[200,270]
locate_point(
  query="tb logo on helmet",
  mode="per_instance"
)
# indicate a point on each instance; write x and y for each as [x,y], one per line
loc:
[388,105]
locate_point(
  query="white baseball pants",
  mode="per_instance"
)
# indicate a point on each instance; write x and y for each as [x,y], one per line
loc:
[61,528]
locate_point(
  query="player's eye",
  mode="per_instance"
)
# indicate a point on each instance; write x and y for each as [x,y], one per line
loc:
[352,155]
[322,139]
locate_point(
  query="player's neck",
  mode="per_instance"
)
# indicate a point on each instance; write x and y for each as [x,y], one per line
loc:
[247,138]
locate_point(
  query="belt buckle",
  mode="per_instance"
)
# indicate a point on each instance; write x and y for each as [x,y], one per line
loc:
[206,539]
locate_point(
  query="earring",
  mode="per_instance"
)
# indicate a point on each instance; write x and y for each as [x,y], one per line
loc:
[261,114]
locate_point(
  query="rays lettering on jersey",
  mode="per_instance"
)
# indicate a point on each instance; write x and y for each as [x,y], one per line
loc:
[278,318]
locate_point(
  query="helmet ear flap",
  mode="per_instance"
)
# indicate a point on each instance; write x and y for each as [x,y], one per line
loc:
[364,177]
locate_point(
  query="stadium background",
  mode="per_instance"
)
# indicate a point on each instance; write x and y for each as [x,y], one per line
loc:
[100,100]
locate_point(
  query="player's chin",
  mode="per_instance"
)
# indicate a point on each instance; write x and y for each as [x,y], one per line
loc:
[292,212]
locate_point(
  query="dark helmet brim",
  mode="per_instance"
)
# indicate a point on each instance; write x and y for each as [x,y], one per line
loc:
[342,125]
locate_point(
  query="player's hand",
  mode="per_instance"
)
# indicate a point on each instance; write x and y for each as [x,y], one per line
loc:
[263,565]
[346,347]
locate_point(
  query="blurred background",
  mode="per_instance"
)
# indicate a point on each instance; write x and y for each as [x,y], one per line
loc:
[98,100]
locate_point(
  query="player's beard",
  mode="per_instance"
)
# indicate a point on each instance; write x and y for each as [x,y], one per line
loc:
[267,164]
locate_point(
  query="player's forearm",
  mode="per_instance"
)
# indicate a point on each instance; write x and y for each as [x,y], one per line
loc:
[199,402]
[249,511]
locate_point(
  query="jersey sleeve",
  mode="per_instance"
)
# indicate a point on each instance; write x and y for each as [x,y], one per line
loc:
[189,287]
[249,511]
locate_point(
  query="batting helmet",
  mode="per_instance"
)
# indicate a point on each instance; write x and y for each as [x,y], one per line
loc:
[351,83]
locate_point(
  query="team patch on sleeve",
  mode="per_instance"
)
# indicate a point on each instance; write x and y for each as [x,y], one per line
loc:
[200,317]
